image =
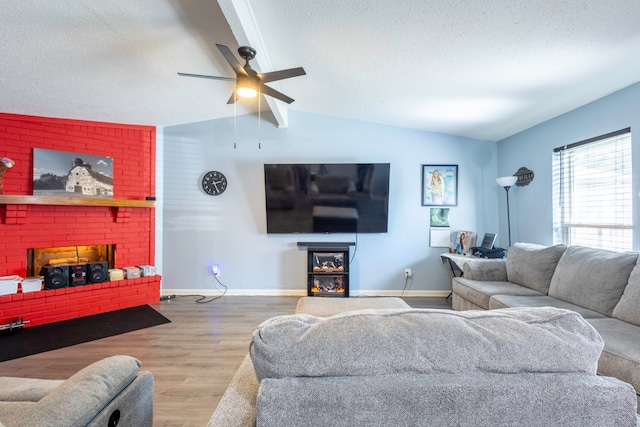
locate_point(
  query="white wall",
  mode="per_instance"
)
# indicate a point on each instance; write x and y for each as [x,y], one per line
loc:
[531,206]
[230,230]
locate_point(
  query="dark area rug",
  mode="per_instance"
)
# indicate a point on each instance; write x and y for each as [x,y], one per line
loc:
[38,339]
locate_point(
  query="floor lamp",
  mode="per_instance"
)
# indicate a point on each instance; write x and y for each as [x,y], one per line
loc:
[506,182]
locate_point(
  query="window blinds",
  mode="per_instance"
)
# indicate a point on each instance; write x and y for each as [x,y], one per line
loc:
[592,193]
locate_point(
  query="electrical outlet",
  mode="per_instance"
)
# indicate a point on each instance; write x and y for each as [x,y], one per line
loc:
[408,273]
[215,270]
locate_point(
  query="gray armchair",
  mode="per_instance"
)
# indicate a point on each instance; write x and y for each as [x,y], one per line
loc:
[110,392]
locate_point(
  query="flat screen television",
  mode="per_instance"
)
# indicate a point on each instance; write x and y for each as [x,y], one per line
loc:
[327,198]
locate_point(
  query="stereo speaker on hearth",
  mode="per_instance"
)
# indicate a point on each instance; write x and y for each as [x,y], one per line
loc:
[98,272]
[77,274]
[55,276]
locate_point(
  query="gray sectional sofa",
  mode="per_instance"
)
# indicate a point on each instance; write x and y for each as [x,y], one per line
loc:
[602,286]
[428,367]
[110,392]
[377,362]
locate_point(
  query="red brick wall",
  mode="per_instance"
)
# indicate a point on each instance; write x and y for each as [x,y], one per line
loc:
[131,229]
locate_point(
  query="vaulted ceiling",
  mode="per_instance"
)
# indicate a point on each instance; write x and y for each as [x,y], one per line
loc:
[479,68]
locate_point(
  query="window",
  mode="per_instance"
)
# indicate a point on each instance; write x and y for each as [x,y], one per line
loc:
[592,194]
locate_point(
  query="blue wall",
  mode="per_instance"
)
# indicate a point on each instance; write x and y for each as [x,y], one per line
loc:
[531,206]
[230,230]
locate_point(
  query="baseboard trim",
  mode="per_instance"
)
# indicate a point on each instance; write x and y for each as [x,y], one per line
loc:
[302,293]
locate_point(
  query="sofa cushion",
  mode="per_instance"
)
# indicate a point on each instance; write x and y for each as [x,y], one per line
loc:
[533,265]
[237,407]
[628,308]
[621,355]
[445,400]
[385,342]
[479,292]
[506,301]
[483,269]
[592,278]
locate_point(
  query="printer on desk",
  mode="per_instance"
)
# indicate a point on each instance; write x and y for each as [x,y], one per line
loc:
[486,248]
[481,252]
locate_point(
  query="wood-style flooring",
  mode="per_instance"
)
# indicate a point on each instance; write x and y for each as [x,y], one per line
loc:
[192,359]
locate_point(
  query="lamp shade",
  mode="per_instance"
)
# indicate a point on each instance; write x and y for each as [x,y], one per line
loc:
[506,181]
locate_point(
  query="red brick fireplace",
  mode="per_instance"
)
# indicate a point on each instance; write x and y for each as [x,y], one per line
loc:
[126,221]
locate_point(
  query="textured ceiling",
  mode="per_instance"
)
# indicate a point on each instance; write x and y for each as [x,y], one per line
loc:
[477,68]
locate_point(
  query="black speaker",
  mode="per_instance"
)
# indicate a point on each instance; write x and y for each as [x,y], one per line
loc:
[77,274]
[98,272]
[55,276]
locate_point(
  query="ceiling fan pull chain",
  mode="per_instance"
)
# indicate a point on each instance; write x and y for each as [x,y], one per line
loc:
[235,115]
[259,127]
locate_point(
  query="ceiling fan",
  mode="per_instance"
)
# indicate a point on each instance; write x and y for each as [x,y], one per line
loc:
[248,81]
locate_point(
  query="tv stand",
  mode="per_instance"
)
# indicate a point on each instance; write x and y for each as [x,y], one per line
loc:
[327,268]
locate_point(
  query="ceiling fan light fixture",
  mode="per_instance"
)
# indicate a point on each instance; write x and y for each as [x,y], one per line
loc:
[245,87]
[248,82]
[246,92]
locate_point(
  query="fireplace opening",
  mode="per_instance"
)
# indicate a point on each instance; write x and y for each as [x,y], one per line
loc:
[37,258]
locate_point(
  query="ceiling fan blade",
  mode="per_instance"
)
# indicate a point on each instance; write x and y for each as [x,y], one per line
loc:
[266,90]
[231,59]
[202,76]
[282,74]
[232,100]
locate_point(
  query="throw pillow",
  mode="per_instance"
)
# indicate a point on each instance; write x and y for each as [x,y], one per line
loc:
[425,341]
[628,308]
[533,265]
[592,278]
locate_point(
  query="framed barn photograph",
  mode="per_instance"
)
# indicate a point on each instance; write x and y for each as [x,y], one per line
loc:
[67,174]
[439,185]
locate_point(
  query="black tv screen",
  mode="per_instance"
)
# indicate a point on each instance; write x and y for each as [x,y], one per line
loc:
[327,198]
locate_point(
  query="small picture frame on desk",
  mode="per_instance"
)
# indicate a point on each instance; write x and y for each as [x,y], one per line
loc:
[465,240]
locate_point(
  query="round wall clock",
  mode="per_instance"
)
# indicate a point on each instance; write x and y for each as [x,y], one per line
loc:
[214,183]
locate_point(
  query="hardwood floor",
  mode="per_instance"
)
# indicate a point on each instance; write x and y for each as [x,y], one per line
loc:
[192,359]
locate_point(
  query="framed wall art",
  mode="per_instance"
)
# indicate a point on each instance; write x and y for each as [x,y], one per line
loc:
[68,174]
[439,185]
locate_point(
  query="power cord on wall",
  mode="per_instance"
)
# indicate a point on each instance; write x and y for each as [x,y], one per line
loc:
[355,249]
[406,282]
